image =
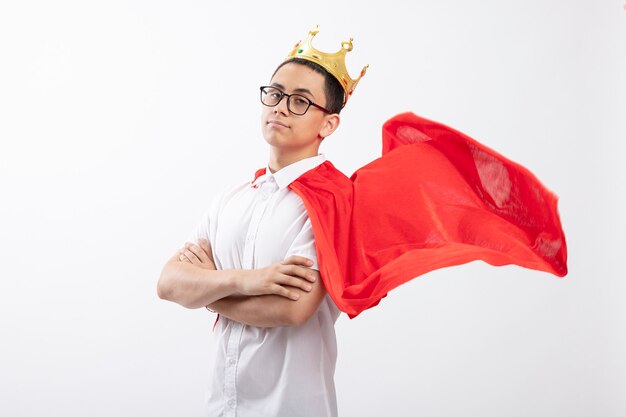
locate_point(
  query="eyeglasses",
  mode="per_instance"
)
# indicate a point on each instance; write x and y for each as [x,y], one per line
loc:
[296,104]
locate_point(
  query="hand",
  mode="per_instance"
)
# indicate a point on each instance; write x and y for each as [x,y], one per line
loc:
[201,256]
[277,278]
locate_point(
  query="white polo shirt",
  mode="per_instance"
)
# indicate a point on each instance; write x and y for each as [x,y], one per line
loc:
[279,371]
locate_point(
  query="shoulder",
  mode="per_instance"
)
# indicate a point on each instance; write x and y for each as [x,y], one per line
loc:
[326,173]
[325,186]
[228,193]
[235,188]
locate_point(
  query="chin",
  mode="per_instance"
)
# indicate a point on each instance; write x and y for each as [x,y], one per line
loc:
[273,140]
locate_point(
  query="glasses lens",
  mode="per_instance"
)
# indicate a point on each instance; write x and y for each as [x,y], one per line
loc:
[298,104]
[270,96]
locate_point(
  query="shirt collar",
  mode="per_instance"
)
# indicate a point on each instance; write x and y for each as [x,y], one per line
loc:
[290,173]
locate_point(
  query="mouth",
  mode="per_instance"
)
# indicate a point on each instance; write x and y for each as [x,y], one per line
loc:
[276,123]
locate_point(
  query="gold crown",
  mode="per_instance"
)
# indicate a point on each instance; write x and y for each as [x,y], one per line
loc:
[334,63]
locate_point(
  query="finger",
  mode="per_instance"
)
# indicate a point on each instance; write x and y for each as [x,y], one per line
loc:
[300,272]
[284,292]
[206,246]
[297,260]
[296,282]
[198,251]
[192,257]
[180,253]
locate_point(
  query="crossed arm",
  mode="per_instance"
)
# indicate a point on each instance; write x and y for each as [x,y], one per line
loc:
[286,293]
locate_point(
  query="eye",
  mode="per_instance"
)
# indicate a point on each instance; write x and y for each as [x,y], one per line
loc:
[300,101]
[272,92]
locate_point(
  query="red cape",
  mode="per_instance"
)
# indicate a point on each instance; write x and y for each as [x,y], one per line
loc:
[436,198]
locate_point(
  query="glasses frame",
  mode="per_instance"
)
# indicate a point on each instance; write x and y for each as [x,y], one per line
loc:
[283,95]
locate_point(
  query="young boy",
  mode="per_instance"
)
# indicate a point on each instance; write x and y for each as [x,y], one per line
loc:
[255,263]
[431,201]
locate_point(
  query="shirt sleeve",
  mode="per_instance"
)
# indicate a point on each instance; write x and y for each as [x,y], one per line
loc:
[207,221]
[304,244]
[202,229]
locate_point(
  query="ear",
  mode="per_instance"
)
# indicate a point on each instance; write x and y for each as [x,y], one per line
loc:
[329,125]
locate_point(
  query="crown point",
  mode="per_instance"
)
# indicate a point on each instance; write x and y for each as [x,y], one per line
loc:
[347,45]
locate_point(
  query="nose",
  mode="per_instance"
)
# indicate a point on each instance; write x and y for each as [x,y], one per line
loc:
[281,107]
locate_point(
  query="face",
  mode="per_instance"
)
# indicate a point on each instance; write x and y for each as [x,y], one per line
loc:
[289,132]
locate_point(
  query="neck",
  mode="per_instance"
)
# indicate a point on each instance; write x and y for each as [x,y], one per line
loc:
[280,158]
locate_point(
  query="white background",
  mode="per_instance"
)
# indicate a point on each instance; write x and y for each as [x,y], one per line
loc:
[119,120]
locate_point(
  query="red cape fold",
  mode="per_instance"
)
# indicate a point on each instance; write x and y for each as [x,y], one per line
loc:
[435,198]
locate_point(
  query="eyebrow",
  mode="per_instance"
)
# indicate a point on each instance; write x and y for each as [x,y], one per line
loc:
[297,90]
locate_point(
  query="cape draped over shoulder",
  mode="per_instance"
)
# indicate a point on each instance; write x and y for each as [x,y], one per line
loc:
[435,198]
